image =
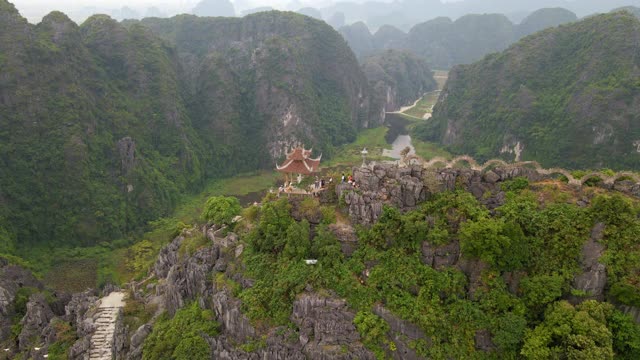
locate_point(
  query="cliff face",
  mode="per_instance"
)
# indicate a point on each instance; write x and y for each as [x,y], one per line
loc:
[103,125]
[398,78]
[279,77]
[563,97]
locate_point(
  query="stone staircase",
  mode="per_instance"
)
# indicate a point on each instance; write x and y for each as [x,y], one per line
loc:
[105,325]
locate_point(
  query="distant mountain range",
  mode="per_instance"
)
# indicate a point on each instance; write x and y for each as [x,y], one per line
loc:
[445,43]
[402,14]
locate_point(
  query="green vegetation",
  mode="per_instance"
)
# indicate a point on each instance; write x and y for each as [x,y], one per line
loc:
[221,209]
[65,336]
[373,330]
[622,226]
[445,43]
[181,337]
[552,93]
[349,154]
[581,332]
[526,236]
[123,130]
[428,150]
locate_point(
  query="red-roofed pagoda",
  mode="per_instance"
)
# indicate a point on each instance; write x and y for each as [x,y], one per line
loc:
[299,162]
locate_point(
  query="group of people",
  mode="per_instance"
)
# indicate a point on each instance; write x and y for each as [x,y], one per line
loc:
[350,180]
[318,184]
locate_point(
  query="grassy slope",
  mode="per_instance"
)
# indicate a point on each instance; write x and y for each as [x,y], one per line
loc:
[429,100]
[425,105]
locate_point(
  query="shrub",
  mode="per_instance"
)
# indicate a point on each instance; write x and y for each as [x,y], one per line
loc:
[373,330]
[515,185]
[221,209]
[181,337]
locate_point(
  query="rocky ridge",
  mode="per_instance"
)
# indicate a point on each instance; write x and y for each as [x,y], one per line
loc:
[324,322]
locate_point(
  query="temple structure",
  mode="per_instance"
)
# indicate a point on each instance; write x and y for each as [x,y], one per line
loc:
[299,162]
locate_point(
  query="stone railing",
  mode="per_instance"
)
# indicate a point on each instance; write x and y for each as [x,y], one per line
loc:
[440,162]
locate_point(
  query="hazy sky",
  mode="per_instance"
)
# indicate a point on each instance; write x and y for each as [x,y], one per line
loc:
[35,9]
[79,10]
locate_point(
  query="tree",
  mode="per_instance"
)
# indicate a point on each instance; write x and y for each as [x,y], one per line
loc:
[571,333]
[484,239]
[271,233]
[540,290]
[298,244]
[221,209]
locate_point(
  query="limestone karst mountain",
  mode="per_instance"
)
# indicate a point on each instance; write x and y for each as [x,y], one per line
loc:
[398,77]
[102,125]
[566,96]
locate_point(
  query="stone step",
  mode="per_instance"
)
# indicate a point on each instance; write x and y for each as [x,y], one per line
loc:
[105,325]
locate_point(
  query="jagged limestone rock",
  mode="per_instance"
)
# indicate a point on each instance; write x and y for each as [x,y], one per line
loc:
[33,323]
[593,278]
[326,328]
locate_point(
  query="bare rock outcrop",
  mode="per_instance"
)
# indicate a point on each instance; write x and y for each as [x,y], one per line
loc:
[167,258]
[406,187]
[347,237]
[327,329]
[593,278]
[12,278]
[235,324]
[440,256]
[190,279]
[36,319]
[137,340]
[402,333]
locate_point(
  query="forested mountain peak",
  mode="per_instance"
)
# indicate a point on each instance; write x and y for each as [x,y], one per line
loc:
[545,18]
[566,96]
[7,8]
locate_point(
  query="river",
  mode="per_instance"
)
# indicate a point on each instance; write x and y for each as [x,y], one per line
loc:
[397,136]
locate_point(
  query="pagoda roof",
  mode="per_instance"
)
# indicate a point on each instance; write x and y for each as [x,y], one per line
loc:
[298,161]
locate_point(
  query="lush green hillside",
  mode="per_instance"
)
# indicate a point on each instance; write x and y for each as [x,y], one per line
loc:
[94,136]
[103,126]
[632,9]
[566,96]
[265,74]
[398,77]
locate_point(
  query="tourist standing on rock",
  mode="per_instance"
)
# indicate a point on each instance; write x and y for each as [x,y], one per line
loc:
[343,178]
